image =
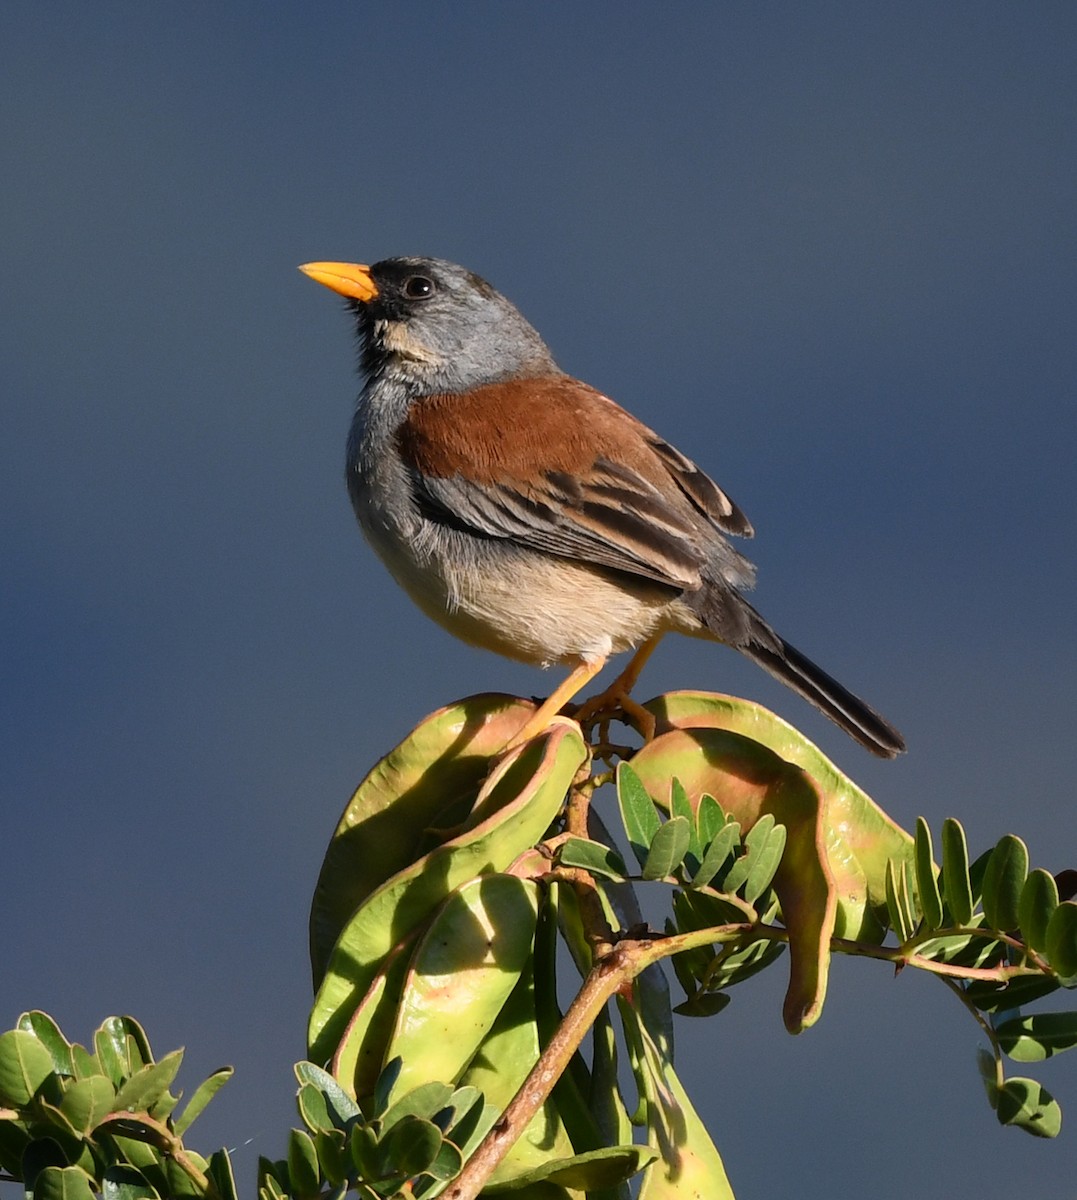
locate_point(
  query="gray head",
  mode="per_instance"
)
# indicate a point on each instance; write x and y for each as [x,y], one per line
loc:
[434,326]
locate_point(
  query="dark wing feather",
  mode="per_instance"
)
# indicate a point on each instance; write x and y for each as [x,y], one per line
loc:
[601,521]
[704,493]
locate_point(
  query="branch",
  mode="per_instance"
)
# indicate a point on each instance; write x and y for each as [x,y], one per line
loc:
[613,971]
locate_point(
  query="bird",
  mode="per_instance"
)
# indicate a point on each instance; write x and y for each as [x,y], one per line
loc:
[529,514]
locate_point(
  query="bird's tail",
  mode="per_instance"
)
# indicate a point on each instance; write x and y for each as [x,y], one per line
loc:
[755,638]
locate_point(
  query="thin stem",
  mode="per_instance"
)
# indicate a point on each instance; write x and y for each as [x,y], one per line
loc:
[982,1021]
[579,802]
[901,956]
[165,1141]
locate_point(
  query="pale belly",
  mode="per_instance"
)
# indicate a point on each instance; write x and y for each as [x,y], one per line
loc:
[531,607]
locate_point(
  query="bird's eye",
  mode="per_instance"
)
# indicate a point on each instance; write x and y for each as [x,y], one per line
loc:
[419,287]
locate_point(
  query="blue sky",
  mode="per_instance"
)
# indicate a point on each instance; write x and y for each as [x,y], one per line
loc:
[829,250]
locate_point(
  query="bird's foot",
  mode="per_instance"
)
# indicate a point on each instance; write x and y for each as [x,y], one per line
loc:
[614,704]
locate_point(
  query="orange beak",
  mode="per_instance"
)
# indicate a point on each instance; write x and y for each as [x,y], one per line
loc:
[349,279]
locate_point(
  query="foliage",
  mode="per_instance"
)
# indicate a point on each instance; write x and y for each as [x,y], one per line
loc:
[75,1122]
[442,1060]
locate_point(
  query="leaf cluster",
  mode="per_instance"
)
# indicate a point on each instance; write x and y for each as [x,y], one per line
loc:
[1009,941]
[76,1121]
[459,881]
[416,1142]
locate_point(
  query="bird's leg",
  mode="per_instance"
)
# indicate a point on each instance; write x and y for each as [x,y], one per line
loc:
[580,676]
[616,697]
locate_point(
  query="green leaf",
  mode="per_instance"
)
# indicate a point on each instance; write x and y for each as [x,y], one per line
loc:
[25,1064]
[203,1094]
[1004,877]
[425,1102]
[179,1184]
[681,806]
[386,1083]
[1039,899]
[718,850]
[339,1106]
[1028,1105]
[467,1115]
[63,1183]
[411,1145]
[709,819]
[272,1176]
[303,1173]
[973,948]
[136,1153]
[270,1187]
[333,1159]
[124,1182]
[604,1168]
[313,1108]
[448,1163]
[737,874]
[1023,989]
[927,882]
[62,1127]
[373,1164]
[222,1176]
[138,1044]
[956,885]
[593,857]
[1034,1038]
[86,1064]
[704,1004]
[989,1074]
[122,1047]
[1061,944]
[88,1101]
[733,967]
[897,903]
[148,1085]
[13,1142]
[668,847]
[703,910]
[977,870]
[48,1033]
[764,857]
[39,1155]
[638,812]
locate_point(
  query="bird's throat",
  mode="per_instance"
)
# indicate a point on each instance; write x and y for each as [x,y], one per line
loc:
[395,339]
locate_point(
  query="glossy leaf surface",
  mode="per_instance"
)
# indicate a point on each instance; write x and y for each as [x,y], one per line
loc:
[464,968]
[519,799]
[428,782]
